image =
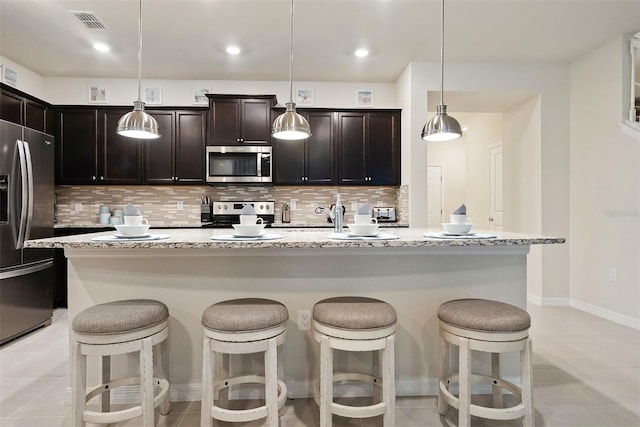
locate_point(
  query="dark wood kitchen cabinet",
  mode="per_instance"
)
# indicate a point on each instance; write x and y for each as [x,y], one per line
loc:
[310,161]
[369,148]
[77,146]
[240,119]
[25,110]
[119,160]
[89,151]
[177,156]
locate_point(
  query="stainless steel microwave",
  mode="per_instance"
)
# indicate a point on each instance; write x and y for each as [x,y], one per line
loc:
[242,163]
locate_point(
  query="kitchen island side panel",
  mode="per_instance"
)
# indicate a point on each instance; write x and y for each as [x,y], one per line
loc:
[189,281]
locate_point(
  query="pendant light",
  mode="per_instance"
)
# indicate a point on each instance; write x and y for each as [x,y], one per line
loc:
[137,123]
[290,125]
[442,127]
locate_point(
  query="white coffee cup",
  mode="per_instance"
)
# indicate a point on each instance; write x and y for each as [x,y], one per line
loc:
[364,219]
[135,220]
[457,219]
[250,220]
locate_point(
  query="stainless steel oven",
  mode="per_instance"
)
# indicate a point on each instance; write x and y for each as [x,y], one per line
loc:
[242,164]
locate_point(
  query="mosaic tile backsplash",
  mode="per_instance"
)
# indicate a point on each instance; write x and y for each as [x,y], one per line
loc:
[80,205]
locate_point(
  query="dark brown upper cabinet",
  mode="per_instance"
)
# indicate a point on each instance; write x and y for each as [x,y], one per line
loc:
[240,119]
[369,148]
[77,146]
[177,156]
[23,109]
[310,161]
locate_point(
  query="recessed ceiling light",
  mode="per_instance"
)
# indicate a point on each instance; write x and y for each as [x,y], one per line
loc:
[101,47]
[233,50]
[361,53]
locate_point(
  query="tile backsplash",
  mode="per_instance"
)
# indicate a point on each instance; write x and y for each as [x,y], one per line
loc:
[168,206]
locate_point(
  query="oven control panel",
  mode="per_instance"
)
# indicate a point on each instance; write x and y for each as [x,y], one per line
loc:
[235,208]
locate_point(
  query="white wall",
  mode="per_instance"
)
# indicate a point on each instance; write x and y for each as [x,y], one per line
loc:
[28,81]
[605,190]
[75,91]
[550,194]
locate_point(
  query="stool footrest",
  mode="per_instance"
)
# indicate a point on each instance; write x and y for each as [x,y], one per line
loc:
[244,415]
[509,413]
[124,414]
[348,410]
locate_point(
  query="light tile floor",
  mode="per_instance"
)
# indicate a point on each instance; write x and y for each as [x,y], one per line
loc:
[586,373]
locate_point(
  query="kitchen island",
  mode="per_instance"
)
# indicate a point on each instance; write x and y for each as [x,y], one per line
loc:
[188,271]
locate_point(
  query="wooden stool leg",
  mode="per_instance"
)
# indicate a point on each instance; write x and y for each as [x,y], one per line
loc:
[162,372]
[464,372]
[79,373]
[271,382]
[207,384]
[105,397]
[443,407]
[495,373]
[378,372]
[146,382]
[388,382]
[326,382]
[527,383]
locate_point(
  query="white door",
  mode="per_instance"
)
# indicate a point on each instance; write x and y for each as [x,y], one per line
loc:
[495,188]
[434,196]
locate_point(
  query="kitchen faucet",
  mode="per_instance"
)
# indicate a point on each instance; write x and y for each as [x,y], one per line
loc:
[335,214]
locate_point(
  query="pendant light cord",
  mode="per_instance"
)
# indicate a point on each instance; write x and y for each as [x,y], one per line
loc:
[442,57]
[140,53]
[291,55]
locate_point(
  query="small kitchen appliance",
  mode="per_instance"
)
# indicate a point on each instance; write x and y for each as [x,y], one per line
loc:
[384,214]
[227,213]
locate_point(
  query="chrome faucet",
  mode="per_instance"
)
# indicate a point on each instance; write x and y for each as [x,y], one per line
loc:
[335,215]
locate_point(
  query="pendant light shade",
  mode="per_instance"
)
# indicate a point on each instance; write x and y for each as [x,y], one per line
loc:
[290,125]
[442,127]
[138,124]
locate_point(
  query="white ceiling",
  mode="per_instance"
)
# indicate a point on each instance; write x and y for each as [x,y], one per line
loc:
[185,39]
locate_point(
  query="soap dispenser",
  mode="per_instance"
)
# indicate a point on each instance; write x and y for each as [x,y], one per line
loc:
[338,214]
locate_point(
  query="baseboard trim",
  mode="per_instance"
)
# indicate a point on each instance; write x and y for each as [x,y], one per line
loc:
[621,319]
[631,322]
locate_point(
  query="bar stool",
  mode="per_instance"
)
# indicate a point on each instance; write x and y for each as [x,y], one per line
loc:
[354,323]
[493,327]
[242,326]
[112,328]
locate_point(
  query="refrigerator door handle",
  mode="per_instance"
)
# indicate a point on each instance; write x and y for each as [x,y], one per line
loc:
[25,201]
[27,270]
[27,155]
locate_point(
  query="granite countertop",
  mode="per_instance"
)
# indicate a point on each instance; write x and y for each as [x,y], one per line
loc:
[91,225]
[185,238]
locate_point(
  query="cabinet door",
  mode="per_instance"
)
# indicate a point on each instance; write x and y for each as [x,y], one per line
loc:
[320,150]
[383,157]
[289,159]
[158,154]
[119,156]
[77,147]
[351,142]
[190,142]
[10,107]
[256,121]
[225,121]
[35,116]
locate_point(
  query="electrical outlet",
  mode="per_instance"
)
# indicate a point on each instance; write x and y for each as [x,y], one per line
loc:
[292,204]
[304,320]
[354,206]
[79,207]
[613,274]
[180,206]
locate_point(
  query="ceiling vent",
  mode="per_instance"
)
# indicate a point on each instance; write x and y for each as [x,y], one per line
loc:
[89,20]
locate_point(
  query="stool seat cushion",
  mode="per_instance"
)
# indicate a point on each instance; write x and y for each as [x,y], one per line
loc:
[245,315]
[118,317]
[353,312]
[484,315]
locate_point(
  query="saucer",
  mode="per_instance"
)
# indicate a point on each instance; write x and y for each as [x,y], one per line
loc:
[374,234]
[132,236]
[241,235]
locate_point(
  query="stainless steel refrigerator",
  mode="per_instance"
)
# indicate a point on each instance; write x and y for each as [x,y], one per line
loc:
[26,212]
